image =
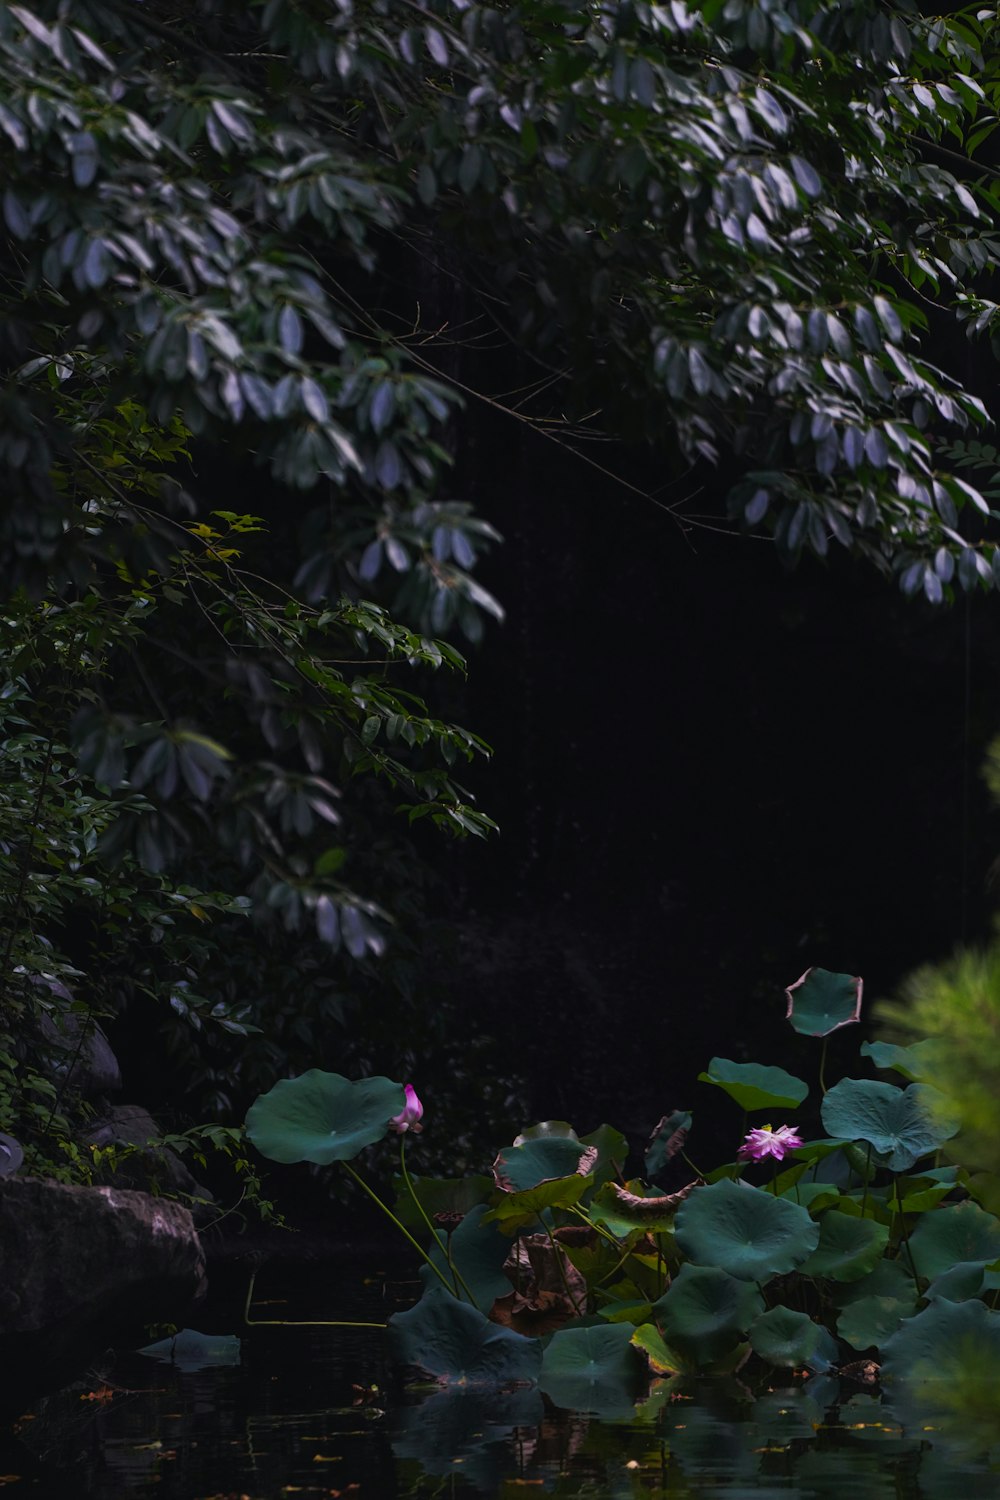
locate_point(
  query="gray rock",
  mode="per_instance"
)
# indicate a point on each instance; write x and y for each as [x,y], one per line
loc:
[152,1167]
[84,1056]
[83,1268]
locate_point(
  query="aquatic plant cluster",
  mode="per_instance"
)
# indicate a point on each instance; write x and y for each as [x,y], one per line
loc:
[561,1270]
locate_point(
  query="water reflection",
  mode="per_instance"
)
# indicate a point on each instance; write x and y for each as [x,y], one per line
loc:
[314,1412]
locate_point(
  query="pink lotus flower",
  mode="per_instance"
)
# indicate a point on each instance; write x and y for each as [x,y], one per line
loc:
[768,1142]
[410,1114]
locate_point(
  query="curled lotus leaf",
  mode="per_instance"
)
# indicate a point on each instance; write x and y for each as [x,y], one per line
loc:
[322,1117]
[518,1168]
[820,1001]
[667,1138]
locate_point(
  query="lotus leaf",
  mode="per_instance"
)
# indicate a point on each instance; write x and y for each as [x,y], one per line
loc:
[848,1248]
[518,1168]
[959,1232]
[593,1369]
[704,1311]
[444,1195]
[783,1336]
[514,1210]
[546,1130]
[458,1346]
[942,1341]
[478,1253]
[190,1350]
[612,1152]
[322,1117]
[896,1122]
[821,1002]
[667,1139]
[959,1282]
[754,1086]
[744,1231]
[915,1062]
[636,1207]
[662,1359]
[869,1321]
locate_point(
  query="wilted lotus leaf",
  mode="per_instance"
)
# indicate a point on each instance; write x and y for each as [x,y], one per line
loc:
[593,1369]
[745,1231]
[322,1117]
[458,1346]
[848,1248]
[667,1139]
[540,1160]
[636,1206]
[960,1232]
[704,1311]
[901,1124]
[514,1210]
[785,1337]
[755,1086]
[11,1155]
[820,1002]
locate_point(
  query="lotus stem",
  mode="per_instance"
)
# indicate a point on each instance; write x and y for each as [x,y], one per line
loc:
[822,1065]
[297,1322]
[457,1277]
[401,1227]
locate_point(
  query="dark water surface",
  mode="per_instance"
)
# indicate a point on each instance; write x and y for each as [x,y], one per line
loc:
[316,1412]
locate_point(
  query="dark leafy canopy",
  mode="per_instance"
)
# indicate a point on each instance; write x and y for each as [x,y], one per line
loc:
[721,225]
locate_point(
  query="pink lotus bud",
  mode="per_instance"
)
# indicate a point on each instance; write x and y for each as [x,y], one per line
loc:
[409,1116]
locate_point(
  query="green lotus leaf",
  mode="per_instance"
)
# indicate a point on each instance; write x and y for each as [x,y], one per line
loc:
[322,1117]
[939,1375]
[439,1195]
[517,1209]
[815,1196]
[890,1278]
[898,1123]
[662,1359]
[917,1194]
[848,1248]
[667,1139]
[959,1282]
[593,1369]
[869,1321]
[754,1086]
[916,1062]
[520,1167]
[478,1252]
[458,1346]
[821,1002]
[947,1236]
[547,1130]
[744,1231]
[190,1350]
[942,1341]
[785,1337]
[704,1312]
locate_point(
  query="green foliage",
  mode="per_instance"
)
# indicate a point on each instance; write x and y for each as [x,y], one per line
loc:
[846,1243]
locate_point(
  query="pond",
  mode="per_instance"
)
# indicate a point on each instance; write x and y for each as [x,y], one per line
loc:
[318,1412]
